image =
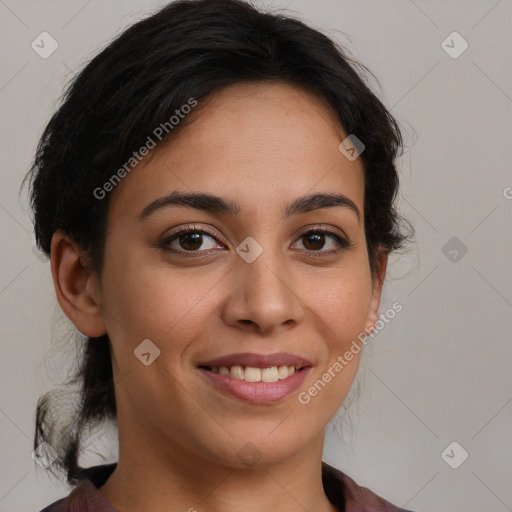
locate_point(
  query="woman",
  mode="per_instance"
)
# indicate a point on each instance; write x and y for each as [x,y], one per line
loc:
[217,195]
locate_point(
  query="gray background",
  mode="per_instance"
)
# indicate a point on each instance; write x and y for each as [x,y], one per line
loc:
[441,370]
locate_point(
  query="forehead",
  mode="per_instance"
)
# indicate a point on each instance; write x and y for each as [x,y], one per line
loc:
[261,144]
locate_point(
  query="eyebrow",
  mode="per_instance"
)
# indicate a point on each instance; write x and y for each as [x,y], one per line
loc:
[219,205]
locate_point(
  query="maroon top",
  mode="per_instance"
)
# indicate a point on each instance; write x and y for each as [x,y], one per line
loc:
[341,490]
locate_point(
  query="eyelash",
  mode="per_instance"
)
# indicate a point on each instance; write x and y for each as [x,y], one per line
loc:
[312,254]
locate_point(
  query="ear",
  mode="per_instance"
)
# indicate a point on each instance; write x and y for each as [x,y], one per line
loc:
[378,282]
[76,287]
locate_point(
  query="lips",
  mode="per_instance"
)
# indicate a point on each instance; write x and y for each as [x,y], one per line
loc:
[256,378]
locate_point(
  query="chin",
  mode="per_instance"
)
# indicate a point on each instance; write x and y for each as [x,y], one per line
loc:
[254,452]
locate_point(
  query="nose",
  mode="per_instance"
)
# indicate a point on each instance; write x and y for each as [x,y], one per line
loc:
[262,296]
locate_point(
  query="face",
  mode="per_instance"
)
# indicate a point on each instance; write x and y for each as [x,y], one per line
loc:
[251,277]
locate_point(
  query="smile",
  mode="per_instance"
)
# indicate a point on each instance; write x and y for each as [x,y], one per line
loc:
[256,378]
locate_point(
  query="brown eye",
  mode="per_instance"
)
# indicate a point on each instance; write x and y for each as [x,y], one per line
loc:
[316,240]
[190,240]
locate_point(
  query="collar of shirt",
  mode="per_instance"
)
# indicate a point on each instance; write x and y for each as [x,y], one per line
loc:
[340,489]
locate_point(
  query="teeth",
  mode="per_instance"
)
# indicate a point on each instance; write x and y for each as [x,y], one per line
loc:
[251,374]
[270,374]
[237,372]
[282,372]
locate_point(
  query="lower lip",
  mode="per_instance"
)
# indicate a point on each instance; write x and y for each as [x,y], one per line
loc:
[257,392]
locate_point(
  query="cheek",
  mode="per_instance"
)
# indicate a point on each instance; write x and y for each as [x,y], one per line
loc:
[151,305]
[340,314]
[170,307]
[341,306]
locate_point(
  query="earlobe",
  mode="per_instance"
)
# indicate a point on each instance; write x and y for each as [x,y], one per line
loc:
[378,282]
[73,282]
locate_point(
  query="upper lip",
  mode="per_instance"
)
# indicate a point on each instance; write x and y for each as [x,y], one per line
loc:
[257,360]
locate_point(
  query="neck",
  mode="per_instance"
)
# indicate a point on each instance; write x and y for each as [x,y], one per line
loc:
[173,479]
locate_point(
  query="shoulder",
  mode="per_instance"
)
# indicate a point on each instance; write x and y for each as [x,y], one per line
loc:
[85,496]
[340,487]
[71,502]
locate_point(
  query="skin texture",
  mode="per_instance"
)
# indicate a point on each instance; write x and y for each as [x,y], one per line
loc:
[262,145]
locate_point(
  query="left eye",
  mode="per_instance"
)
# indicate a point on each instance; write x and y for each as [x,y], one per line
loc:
[316,237]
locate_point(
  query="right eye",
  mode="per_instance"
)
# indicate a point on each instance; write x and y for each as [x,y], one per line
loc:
[189,240]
